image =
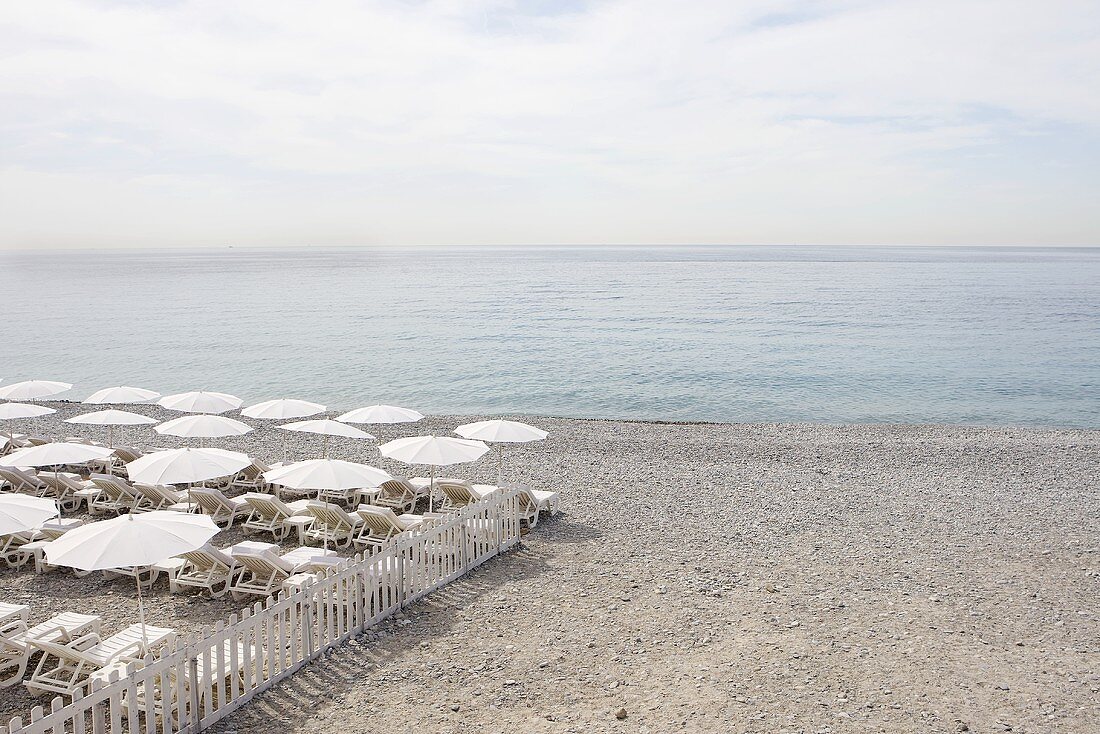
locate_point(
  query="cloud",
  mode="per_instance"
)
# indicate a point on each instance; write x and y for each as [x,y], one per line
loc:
[195,123]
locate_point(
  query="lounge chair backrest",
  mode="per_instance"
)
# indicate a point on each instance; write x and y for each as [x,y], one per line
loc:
[382,520]
[150,492]
[271,507]
[127,454]
[19,478]
[459,492]
[54,529]
[114,487]
[331,515]
[64,652]
[264,563]
[59,483]
[208,558]
[211,500]
[398,488]
[527,499]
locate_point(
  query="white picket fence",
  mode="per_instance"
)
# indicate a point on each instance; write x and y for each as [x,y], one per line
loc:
[203,677]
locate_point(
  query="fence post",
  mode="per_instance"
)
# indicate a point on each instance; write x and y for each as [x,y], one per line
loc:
[307,623]
[465,549]
[400,577]
[193,672]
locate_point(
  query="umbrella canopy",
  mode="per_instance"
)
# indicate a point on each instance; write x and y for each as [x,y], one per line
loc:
[19,513]
[200,401]
[13,411]
[112,418]
[120,395]
[318,474]
[501,431]
[131,540]
[283,409]
[326,427]
[380,414]
[203,426]
[433,450]
[183,466]
[55,454]
[32,389]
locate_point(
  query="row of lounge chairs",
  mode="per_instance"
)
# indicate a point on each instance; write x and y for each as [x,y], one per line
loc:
[71,648]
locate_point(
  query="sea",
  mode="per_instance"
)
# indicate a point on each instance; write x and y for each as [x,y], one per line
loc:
[981,335]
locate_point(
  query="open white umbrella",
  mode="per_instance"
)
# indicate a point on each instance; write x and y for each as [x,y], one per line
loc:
[433,451]
[19,411]
[32,389]
[203,426]
[111,418]
[121,395]
[56,455]
[283,409]
[326,428]
[501,431]
[320,474]
[131,540]
[185,466]
[19,513]
[380,414]
[201,401]
[13,411]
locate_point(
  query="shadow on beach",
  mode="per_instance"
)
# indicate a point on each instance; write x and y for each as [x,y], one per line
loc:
[335,673]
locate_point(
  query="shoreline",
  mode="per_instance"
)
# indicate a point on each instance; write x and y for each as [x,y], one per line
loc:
[640,421]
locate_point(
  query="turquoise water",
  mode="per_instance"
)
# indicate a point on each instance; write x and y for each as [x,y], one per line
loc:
[955,335]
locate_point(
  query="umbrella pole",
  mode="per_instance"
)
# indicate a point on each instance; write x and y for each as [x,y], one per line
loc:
[141,613]
[500,462]
[324,447]
[431,488]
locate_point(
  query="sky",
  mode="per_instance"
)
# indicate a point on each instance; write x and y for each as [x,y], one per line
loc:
[268,123]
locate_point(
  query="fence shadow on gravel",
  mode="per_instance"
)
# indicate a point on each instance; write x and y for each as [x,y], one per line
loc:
[293,701]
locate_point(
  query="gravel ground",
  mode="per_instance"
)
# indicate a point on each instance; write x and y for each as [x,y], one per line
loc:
[725,578]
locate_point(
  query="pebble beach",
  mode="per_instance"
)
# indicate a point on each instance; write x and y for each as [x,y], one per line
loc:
[711,577]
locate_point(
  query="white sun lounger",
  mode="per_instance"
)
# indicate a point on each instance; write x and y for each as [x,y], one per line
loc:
[399,494]
[269,514]
[265,571]
[208,569]
[459,492]
[221,509]
[15,650]
[158,497]
[251,478]
[66,488]
[67,668]
[381,524]
[22,480]
[116,495]
[331,524]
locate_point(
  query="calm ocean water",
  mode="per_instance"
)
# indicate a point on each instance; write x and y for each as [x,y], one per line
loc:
[975,335]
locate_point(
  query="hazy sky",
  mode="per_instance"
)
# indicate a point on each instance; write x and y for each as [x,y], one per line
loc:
[481,121]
